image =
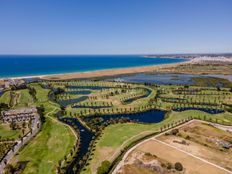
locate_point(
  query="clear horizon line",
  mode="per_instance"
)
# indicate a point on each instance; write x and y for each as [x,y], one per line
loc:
[113,54]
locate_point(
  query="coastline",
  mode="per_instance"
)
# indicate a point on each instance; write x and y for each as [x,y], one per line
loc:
[48,66]
[110,72]
[123,70]
[99,73]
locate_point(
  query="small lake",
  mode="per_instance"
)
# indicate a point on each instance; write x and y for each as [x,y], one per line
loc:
[152,116]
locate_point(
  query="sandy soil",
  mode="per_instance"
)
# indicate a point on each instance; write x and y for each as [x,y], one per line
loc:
[200,131]
[139,162]
[191,164]
[211,155]
[110,72]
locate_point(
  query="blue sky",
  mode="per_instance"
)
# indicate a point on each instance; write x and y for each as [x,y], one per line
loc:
[115,26]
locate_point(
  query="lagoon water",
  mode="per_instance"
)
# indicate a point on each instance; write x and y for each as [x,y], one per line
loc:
[32,65]
[166,78]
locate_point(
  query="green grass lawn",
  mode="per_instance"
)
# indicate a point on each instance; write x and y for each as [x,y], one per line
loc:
[7,132]
[43,99]
[117,136]
[55,139]
[41,93]
[5,98]
[25,99]
[47,148]
[51,144]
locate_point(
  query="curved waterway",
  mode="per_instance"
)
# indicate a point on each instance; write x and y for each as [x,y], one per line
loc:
[91,107]
[128,101]
[82,92]
[207,110]
[86,135]
[72,101]
[152,116]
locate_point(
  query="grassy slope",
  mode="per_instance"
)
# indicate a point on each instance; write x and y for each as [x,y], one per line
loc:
[7,132]
[25,99]
[5,98]
[47,148]
[43,99]
[41,93]
[115,135]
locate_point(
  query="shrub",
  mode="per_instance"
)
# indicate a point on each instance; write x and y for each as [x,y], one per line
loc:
[178,166]
[175,131]
[163,165]
[104,168]
[169,166]
[187,137]
[148,154]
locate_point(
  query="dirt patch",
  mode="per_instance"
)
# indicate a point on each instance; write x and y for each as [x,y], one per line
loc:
[196,146]
[191,165]
[141,162]
[105,153]
[204,141]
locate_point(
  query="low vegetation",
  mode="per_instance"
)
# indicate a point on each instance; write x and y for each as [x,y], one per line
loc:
[82,99]
[46,149]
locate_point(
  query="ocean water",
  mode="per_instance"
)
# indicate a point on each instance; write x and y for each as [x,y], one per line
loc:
[31,65]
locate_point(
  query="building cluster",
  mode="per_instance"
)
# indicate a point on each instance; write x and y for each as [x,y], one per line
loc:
[7,83]
[18,115]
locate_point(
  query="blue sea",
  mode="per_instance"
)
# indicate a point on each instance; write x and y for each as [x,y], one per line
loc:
[32,65]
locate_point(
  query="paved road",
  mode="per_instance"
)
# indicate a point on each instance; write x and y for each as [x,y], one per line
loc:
[19,144]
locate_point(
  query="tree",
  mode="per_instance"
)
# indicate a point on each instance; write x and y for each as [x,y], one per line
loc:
[13,125]
[174,131]
[178,166]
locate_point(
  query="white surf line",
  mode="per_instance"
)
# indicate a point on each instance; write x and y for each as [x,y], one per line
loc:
[154,139]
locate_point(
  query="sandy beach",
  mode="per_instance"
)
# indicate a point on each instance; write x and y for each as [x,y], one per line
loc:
[109,72]
[130,70]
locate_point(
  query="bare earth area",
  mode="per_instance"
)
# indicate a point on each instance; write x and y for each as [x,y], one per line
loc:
[204,141]
[198,146]
[191,164]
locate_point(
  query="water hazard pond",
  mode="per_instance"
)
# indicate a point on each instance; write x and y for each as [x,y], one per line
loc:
[87,136]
